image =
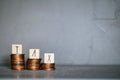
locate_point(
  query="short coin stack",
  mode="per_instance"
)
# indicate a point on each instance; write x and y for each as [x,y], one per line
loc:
[48,62]
[48,66]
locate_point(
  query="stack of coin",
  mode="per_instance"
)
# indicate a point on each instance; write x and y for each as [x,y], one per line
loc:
[17,62]
[48,66]
[33,64]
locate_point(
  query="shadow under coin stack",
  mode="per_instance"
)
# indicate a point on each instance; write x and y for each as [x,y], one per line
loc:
[33,62]
[17,58]
[48,62]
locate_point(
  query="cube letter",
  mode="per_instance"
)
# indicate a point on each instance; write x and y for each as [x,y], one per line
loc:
[16,48]
[34,53]
[49,58]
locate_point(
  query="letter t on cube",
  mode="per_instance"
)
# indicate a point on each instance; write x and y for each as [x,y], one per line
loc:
[16,48]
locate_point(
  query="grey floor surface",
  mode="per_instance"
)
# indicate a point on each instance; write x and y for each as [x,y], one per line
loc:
[64,72]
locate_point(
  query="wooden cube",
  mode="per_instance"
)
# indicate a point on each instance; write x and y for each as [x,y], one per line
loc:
[16,48]
[34,53]
[48,57]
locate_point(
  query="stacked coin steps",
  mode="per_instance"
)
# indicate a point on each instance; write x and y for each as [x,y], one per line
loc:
[33,64]
[17,62]
[33,61]
[48,66]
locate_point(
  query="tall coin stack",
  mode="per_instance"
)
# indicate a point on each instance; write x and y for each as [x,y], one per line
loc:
[17,58]
[48,62]
[33,62]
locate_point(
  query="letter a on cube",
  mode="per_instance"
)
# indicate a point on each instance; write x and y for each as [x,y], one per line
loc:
[34,53]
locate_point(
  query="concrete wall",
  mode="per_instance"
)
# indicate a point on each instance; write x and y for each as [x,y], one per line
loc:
[77,31]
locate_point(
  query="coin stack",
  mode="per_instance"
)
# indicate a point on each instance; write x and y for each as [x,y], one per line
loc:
[48,62]
[48,66]
[17,62]
[33,64]
[17,57]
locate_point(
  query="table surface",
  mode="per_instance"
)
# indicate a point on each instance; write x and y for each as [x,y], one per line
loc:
[64,72]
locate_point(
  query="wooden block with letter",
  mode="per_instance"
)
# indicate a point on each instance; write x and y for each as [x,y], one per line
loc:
[49,63]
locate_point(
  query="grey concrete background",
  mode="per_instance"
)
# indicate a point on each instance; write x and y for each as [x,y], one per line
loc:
[77,31]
